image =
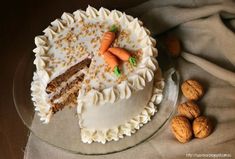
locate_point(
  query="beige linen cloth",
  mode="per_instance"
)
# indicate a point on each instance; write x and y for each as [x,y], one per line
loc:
[206,29]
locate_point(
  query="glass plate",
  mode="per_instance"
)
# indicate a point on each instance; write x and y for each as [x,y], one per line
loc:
[63,129]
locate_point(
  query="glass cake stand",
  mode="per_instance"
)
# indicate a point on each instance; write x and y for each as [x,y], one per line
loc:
[63,130]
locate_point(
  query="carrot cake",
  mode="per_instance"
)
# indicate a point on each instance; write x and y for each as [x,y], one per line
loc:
[103,63]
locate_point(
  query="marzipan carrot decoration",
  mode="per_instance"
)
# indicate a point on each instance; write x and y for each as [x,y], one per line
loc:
[108,39]
[112,61]
[123,55]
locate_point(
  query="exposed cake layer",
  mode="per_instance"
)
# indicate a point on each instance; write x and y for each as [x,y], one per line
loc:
[57,82]
[63,90]
[67,96]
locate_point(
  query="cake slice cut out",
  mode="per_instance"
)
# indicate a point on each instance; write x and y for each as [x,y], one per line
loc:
[63,90]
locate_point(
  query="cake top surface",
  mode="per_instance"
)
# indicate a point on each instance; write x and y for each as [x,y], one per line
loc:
[77,36]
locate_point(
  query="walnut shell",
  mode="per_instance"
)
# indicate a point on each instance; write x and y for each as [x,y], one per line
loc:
[181,128]
[189,109]
[192,90]
[202,127]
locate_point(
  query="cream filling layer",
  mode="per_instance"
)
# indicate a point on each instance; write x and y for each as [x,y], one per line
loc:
[70,80]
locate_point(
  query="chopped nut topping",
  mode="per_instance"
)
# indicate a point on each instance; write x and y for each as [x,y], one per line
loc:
[85,37]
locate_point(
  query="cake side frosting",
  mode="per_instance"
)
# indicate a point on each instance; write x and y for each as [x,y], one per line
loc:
[95,117]
[49,63]
[103,131]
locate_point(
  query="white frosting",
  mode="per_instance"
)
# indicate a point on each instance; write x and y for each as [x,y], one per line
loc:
[68,41]
[40,99]
[113,121]
[95,117]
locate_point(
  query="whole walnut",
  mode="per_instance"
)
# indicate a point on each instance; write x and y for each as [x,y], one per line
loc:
[202,127]
[181,128]
[192,90]
[173,45]
[189,109]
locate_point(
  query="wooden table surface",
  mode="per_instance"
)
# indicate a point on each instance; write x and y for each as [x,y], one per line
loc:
[20,22]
